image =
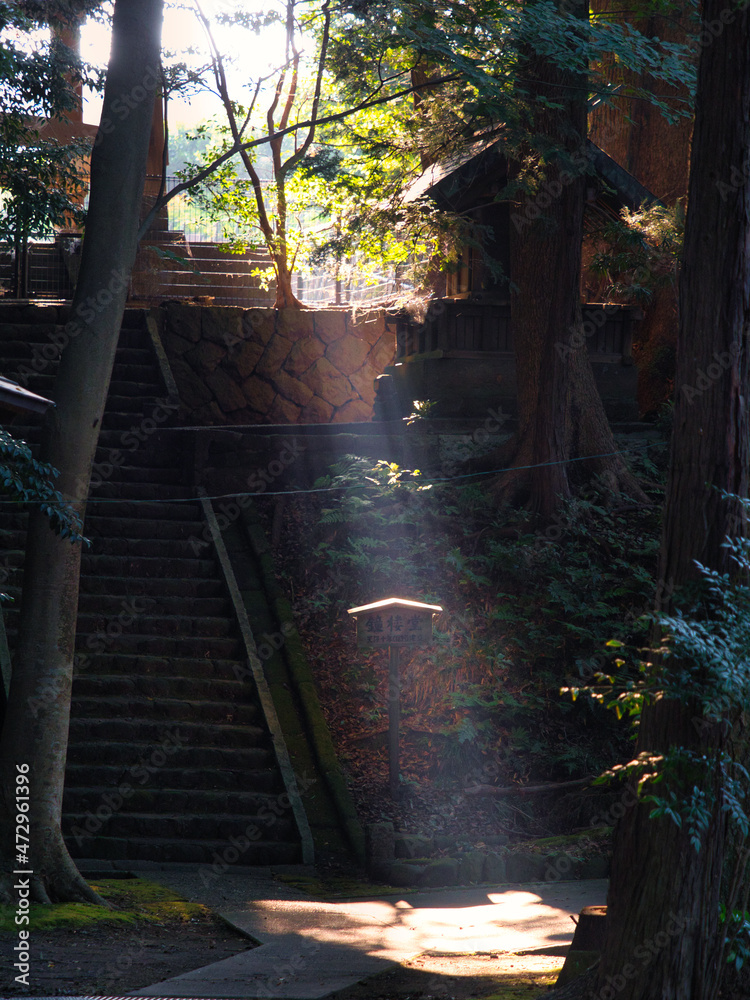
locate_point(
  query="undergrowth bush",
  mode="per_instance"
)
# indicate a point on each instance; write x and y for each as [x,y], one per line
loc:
[528,608]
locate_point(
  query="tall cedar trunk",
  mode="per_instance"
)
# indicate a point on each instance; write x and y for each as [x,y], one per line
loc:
[657,152]
[664,893]
[559,407]
[635,133]
[545,264]
[36,727]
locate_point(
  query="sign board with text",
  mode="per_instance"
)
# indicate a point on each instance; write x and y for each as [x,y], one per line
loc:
[394,622]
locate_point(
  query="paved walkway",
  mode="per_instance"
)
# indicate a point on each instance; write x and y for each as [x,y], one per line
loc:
[309,949]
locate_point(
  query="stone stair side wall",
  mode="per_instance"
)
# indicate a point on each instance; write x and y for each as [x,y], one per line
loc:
[265,366]
[331,809]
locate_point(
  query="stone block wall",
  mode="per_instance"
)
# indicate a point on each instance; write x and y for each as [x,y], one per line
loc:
[287,366]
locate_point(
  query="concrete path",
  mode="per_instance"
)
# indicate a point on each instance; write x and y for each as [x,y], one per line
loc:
[309,949]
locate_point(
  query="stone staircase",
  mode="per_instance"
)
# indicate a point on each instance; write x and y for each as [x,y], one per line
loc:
[170,756]
[199,270]
[167,267]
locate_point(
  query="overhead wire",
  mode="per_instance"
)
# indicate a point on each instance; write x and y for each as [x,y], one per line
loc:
[435,481]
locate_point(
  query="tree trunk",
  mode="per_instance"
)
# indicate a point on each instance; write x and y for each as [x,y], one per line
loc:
[664,896]
[560,412]
[635,133]
[541,258]
[285,297]
[36,728]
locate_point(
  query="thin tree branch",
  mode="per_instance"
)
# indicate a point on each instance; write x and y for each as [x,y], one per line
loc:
[238,147]
[300,153]
[218,62]
[522,790]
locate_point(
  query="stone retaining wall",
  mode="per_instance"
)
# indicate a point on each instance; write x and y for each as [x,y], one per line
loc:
[287,366]
[425,862]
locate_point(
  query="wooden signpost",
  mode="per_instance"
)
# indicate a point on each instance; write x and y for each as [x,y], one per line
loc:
[394,622]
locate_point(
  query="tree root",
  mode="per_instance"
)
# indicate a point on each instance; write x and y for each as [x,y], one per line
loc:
[55,879]
[582,988]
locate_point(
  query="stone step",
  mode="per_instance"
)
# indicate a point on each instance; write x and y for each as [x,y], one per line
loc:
[147,509]
[125,404]
[146,566]
[99,525]
[163,548]
[109,467]
[139,371]
[141,355]
[195,586]
[150,709]
[248,296]
[124,490]
[212,249]
[225,648]
[212,274]
[178,827]
[151,731]
[190,667]
[212,852]
[121,387]
[182,626]
[113,636]
[195,801]
[133,441]
[142,455]
[111,604]
[128,381]
[135,336]
[133,348]
[214,768]
[121,685]
[211,267]
[128,420]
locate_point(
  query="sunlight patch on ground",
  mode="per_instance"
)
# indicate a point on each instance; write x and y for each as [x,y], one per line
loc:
[473,923]
[507,976]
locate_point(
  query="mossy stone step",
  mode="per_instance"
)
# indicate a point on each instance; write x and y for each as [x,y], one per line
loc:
[185,825]
[217,855]
[99,525]
[189,733]
[132,585]
[147,708]
[112,604]
[180,689]
[174,800]
[147,624]
[260,776]
[140,665]
[159,645]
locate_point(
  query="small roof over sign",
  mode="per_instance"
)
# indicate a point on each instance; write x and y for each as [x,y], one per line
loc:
[398,602]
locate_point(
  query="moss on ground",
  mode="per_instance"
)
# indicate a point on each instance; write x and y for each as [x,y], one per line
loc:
[336,886]
[596,837]
[135,900]
[523,986]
